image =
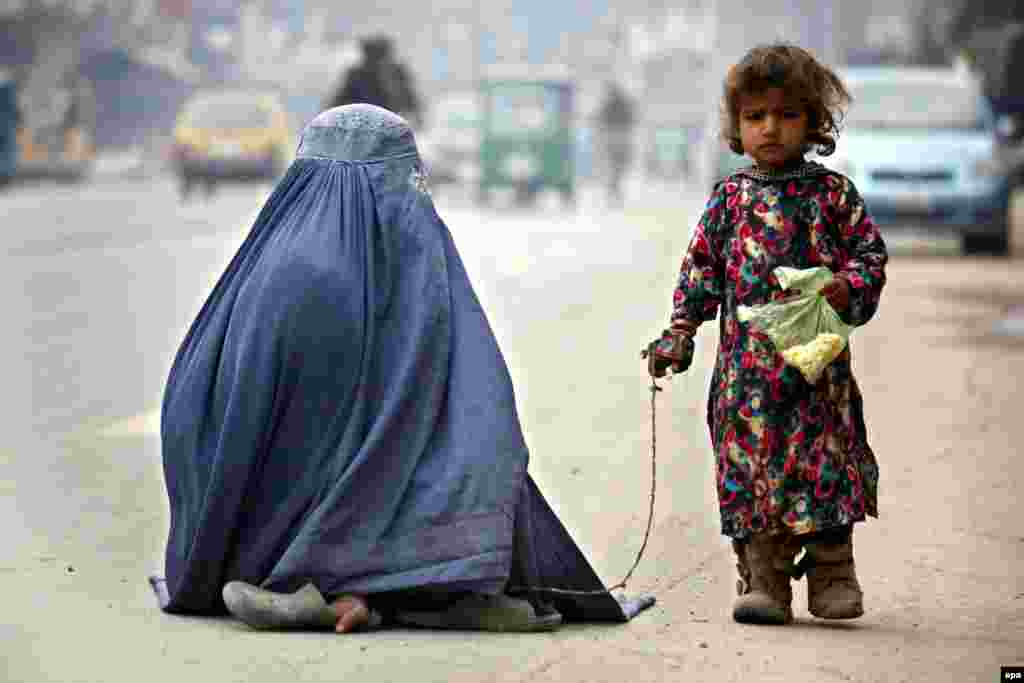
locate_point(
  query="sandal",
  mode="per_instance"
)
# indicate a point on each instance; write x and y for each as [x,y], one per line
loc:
[480,612]
[305,609]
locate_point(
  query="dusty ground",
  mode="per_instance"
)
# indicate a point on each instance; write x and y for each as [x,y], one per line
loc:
[942,569]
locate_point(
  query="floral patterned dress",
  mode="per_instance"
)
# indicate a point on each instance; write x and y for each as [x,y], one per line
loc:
[790,457]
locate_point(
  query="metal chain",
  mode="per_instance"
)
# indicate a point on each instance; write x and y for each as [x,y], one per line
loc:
[650,517]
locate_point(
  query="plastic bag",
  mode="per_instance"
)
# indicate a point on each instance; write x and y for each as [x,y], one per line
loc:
[804,328]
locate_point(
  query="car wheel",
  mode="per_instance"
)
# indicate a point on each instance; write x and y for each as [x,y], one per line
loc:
[277,165]
[526,195]
[568,197]
[185,186]
[995,245]
[1016,180]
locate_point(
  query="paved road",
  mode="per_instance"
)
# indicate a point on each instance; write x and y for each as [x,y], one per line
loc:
[102,282]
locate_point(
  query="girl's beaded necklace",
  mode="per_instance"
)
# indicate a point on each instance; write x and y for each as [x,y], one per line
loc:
[806,169]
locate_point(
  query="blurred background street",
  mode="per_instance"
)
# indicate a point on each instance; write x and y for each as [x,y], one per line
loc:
[139,140]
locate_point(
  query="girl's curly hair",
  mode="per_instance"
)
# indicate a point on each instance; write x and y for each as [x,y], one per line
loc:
[800,76]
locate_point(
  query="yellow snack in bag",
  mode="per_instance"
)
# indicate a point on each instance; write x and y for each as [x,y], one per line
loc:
[811,358]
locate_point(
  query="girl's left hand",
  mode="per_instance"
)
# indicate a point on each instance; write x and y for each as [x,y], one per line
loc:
[838,293]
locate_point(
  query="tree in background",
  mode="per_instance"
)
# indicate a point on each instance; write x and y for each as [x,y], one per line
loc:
[969,16]
[929,25]
[990,34]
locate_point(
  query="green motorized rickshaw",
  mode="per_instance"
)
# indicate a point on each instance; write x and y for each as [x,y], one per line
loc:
[526,138]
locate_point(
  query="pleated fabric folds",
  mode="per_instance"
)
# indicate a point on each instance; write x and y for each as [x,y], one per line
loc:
[339,411]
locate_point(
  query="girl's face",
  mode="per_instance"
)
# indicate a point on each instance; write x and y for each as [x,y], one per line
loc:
[772,128]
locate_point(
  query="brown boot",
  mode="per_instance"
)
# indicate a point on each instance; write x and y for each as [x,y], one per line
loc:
[833,591]
[764,565]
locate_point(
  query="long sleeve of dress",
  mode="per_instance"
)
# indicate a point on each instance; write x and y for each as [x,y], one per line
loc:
[866,255]
[700,288]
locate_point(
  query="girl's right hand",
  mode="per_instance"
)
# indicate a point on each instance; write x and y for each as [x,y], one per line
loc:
[673,350]
[838,294]
[682,326]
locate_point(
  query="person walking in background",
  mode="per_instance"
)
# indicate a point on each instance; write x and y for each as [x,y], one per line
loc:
[794,468]
[380,79]
[616,118]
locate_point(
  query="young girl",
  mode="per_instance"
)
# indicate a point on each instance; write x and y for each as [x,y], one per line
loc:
[794,469]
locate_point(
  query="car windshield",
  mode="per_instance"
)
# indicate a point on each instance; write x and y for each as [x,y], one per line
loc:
[524,110]
[229,111]
[897,104]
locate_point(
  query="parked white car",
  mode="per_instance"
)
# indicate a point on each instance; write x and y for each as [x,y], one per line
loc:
[919,144]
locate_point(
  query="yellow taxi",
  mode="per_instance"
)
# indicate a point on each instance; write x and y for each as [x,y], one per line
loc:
[231,135]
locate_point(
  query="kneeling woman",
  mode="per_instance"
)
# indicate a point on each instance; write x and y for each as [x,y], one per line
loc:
[340,440]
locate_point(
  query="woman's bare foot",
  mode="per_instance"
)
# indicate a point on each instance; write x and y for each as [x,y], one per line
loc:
[352,612]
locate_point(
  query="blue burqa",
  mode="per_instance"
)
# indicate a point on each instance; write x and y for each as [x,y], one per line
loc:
[340,412]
